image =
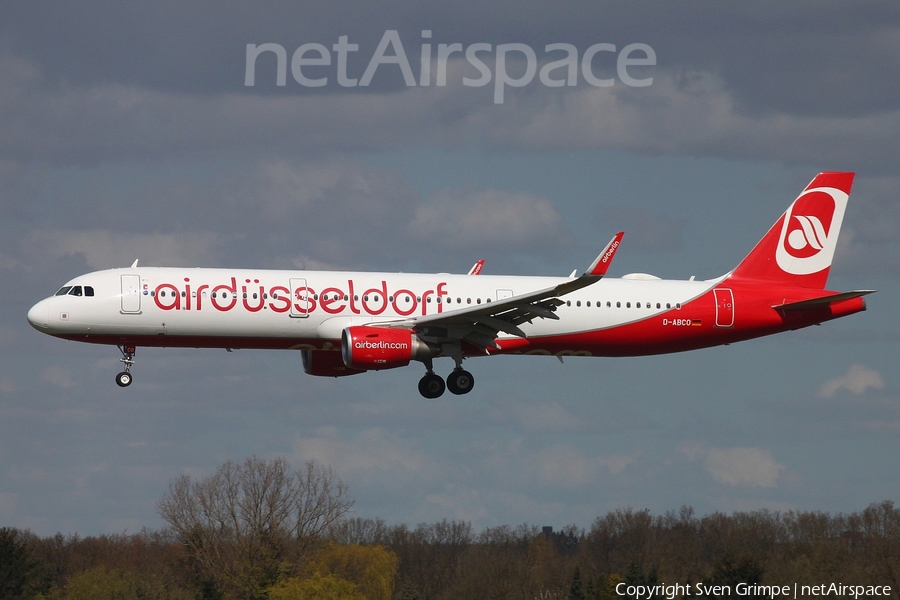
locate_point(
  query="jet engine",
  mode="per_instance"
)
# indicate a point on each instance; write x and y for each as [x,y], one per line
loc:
[375,348]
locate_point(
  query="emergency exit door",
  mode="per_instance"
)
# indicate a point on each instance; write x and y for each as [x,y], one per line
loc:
[724,307]
[131,294]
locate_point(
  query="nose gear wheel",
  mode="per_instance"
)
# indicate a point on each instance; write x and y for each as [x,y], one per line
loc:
[124,378]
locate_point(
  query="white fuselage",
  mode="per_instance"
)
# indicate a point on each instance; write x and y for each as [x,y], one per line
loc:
[295,309]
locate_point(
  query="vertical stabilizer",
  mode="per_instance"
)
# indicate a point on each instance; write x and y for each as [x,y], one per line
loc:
[799,248]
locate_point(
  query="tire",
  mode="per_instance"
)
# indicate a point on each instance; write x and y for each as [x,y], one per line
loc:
[431,386]
[460,382]
[123,379]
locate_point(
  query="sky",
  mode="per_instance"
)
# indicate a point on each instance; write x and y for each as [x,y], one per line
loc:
[129,131]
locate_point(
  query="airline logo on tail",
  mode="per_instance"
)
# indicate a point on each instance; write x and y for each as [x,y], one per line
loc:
[810,230]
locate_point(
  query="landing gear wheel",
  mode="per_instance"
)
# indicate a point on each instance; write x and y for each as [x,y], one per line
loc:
[460,382]
[124,378]
[431,386]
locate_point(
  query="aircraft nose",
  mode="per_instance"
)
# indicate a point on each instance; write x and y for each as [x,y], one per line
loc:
[39,315]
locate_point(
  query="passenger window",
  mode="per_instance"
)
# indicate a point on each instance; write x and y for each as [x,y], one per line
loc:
[618,305]
[628,305]
[638,305]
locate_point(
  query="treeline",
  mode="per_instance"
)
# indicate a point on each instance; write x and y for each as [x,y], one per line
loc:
[261,531]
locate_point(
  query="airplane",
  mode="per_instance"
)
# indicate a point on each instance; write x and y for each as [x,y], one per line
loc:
[346,323]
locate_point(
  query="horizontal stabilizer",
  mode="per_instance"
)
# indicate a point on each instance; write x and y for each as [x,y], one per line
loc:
[823,301]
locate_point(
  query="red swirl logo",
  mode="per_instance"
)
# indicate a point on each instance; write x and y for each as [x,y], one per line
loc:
[809,225]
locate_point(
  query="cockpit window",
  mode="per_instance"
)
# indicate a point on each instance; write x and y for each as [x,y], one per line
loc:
[88,290]
[75,291]
[64,290]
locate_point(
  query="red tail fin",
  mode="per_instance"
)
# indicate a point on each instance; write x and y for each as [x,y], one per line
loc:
[799,248]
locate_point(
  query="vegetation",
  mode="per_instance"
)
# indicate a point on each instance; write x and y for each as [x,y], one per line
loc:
[259,530]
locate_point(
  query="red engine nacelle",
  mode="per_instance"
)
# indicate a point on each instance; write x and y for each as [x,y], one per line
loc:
[375,348]
[325,363]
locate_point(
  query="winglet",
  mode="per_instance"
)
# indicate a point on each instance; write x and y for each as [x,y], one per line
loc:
[476,268]
[600,265]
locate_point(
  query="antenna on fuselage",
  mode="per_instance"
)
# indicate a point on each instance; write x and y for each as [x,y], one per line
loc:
[134,264]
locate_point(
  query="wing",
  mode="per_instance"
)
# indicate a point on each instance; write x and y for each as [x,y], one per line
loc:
[479,325]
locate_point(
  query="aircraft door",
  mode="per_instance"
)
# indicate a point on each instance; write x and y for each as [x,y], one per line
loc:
[299,298]
[724,307]
[131,294]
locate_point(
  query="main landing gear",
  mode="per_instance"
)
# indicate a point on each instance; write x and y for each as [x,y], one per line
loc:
[124,378]
[459,382]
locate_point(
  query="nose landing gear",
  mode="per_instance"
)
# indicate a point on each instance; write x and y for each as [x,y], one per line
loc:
[124,378]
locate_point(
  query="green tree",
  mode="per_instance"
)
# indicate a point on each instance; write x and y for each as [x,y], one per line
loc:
[576,590]
[371,569]
[730,571]
[18,569]
[98,584]
[317,587]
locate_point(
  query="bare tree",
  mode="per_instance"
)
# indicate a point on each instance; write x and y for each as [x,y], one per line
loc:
[250,522]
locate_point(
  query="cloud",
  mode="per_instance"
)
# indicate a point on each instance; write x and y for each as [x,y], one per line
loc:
[57,376]
[488,217]
[8,505]
[645,228]
[104,249]
[857,380]
[746,467]
[371,449]
[687,110]
[565,466]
